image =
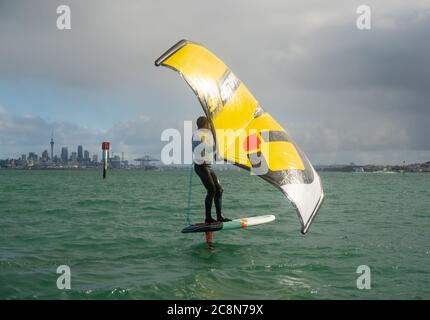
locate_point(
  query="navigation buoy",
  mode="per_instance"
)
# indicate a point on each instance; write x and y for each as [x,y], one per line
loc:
[105,148]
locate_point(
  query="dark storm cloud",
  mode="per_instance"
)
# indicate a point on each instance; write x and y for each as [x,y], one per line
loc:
[344,94]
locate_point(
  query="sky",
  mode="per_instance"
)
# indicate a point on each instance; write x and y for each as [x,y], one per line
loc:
[344,94]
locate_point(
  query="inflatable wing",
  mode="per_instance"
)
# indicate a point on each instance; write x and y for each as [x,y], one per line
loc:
[245,134]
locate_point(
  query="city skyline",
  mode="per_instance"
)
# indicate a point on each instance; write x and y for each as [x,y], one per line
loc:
[343,94]
[80,154]
[83,157]
[79,158]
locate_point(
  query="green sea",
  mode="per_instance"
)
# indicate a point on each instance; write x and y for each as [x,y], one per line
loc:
[121,238]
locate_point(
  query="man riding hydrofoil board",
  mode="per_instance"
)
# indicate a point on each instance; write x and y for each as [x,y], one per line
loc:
[203,158]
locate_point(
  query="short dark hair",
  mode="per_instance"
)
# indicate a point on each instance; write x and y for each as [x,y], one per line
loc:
[201,121]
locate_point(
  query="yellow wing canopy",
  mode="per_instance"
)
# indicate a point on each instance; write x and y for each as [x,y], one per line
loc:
[246,135]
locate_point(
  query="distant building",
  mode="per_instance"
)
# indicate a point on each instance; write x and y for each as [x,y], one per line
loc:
[33,157]
[64,154]
[45,156]
[87,155]
[52,145]
[95,159]
[147,162]
[115,162]
[24,157]
[80,154]
[74,157]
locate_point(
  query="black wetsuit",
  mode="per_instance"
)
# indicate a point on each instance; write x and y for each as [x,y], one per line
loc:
[213,187]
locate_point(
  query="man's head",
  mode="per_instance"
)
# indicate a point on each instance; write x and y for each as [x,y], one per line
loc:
[202,122]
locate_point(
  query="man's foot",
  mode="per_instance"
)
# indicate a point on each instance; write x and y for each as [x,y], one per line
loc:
[221,218]
[210,220]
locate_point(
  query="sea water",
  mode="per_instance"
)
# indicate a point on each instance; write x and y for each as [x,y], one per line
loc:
[121,237]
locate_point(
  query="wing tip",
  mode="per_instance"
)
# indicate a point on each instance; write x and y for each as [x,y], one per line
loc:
[305,227]
[171,51]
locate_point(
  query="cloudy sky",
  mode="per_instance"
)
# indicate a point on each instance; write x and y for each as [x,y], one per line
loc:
[345,95]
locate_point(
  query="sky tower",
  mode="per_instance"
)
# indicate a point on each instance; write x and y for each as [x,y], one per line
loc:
[52,145]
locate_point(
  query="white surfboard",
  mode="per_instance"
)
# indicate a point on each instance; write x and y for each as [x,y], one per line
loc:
[230,225]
